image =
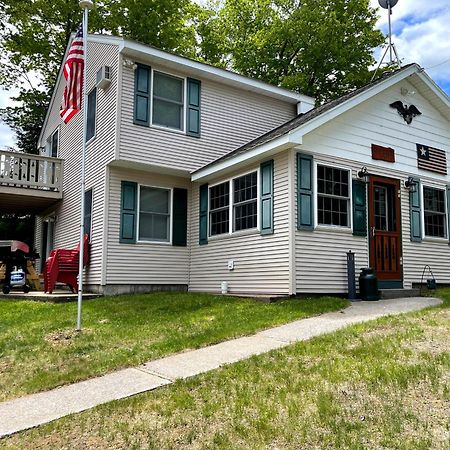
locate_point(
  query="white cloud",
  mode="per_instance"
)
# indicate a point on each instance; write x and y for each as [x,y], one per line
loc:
[6,134]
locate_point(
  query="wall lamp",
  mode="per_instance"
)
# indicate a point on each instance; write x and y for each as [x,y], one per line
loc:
[363,173]
[411,184]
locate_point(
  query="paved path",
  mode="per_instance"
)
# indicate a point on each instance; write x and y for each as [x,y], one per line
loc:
[36,409]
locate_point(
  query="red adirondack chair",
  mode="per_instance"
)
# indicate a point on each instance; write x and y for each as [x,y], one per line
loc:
[62,266]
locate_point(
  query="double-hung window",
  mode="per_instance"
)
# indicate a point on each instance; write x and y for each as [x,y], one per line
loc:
[238,198]
[168,101]
[434,212]
[154,214]
[333,196]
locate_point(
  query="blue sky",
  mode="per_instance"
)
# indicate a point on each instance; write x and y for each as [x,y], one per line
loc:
[421,34]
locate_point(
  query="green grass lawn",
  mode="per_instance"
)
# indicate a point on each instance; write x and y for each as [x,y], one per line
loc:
[379,385]
[39,349]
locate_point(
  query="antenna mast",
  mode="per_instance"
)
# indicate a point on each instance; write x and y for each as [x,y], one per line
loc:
[389,4]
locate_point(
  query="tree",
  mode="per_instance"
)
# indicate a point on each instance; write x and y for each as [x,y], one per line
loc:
[321,48]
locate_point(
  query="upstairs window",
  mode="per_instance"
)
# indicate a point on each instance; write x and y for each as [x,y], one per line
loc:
[333,196]
[53,144]
[168,101]
[434,212]
[91,113]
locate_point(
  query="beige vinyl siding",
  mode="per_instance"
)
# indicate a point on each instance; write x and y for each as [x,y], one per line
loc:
[230,117]
[346,141]
[100,151]
[143,263]
[321,255]
[261,262]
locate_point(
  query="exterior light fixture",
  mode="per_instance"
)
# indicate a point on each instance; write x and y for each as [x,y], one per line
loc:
[411,184]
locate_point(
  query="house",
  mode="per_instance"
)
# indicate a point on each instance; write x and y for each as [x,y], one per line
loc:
[197,176]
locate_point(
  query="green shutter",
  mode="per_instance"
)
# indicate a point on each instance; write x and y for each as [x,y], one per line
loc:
[305,192]
[267,197]
[448,214]
[203,216]
[142,95]
[128,212]
[359,208]
[193,107]
[179,232]
[415,213]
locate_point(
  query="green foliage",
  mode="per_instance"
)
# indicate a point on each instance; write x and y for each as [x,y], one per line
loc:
[321,48]
[17,227]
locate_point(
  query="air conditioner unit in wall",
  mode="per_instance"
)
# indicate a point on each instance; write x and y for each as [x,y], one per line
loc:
[103,77]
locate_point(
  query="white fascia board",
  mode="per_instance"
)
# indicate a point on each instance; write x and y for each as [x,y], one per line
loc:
[142,167]
[272,147]
[141,51]
[353,102]
[434,87]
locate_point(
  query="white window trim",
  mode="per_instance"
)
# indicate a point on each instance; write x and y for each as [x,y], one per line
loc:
[140,241]
[231,206]
[340,228]
[161,127]
[422,214]
[95,121]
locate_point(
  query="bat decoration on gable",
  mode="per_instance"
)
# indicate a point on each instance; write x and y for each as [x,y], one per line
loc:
[407,112]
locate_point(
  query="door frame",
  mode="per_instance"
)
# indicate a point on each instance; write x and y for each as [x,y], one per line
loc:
[385,283]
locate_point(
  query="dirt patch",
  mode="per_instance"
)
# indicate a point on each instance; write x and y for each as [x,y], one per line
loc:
[62,336]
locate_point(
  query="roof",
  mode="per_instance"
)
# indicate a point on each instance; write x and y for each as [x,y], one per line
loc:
[302,119]
[322,111]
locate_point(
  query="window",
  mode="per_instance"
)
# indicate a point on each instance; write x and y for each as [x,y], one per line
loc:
[219,210]
[88,212]
[333,196]
[245,193]
[53,144]
[91,112]
[434,212]
[154,214]
[244,203]
[168,95]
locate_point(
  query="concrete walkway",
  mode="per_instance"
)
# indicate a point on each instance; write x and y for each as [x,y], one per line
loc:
[36,409]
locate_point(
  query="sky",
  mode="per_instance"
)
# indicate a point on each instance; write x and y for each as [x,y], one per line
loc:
[421,34]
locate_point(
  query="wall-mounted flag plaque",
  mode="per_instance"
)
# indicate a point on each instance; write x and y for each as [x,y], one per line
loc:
[432,159]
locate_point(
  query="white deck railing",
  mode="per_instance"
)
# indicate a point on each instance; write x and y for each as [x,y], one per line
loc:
[30,171]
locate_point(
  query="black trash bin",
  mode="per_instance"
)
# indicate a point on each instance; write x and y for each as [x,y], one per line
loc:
[368,284]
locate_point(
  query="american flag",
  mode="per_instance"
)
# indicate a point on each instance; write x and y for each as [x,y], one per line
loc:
[432,159]
[73,73]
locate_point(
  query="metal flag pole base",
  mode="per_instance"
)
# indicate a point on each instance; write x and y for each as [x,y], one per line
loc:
[86,5]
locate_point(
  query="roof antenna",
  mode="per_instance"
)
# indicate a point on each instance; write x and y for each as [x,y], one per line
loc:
[388,4]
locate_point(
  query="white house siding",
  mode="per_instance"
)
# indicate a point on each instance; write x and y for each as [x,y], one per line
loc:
[37,241]
[100,151]
[346,140]
[261,262]
[143,264]
[230,117]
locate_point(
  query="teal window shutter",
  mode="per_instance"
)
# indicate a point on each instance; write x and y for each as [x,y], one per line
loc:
[203,215]
[267,197]
[359,208]
[179,231]
[448,213]
[305,192]
[193,107]
[128,212]
[142,95]
[415,213]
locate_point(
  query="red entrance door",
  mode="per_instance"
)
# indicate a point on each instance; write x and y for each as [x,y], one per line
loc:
[385,228]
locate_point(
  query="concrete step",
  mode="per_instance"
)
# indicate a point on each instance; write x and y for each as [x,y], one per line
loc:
[398,293]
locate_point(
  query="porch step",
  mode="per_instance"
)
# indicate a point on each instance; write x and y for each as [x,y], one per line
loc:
[398,293]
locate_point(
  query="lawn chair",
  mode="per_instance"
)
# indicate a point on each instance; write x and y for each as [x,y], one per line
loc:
[62,266]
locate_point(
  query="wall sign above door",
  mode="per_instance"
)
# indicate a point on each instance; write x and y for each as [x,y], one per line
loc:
[383,153]
[432,159]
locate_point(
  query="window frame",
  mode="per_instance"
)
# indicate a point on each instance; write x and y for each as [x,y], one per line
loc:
[138,213]
[231,205]
[341,228]
[89,140]
[184,90]
[445,214]
[49,143]
[92,212]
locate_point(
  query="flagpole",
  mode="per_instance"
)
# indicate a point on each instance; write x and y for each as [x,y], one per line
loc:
[86,5]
